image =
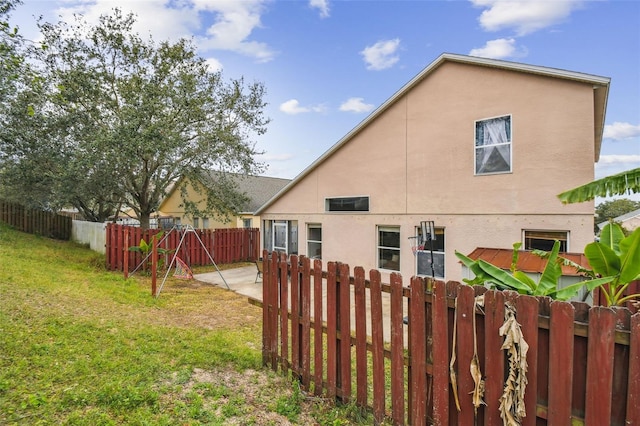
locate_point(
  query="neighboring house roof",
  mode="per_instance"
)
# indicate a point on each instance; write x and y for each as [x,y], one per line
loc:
[600,89]
[258,189]
[527,261]
[622,218]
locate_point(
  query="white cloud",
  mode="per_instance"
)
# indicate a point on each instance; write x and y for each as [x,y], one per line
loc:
[356,105]
[618,131]
[276,157]
[381,55]
[322,6]
[233,21]
[500,49]
[619,159]
[214,64]
[183,19]
[525,16]
[292,106]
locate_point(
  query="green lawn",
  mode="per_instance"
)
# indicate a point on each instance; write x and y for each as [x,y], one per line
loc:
[80,345]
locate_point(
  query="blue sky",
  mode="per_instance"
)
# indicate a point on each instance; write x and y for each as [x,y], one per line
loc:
[327,64]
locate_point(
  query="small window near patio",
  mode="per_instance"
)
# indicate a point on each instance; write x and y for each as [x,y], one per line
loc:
[543,240]
[389,247]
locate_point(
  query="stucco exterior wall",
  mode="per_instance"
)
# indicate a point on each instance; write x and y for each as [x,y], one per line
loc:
[416,162]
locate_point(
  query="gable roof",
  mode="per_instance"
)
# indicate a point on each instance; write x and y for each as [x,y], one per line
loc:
[600,86]
[621,218]
[527,261]
[258,189]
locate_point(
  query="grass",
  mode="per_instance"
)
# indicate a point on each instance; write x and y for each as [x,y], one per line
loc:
[82,346]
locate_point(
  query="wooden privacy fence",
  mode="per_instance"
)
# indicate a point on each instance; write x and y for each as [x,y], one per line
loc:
[224,245]
[326,328]
[32,221]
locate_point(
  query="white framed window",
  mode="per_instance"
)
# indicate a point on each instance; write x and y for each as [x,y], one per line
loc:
[493,145]
[247,223]
[196,222]
[314,240]
[389,247]
[280,240]
[544,240]
[423,257]
[205,223]
[281,235]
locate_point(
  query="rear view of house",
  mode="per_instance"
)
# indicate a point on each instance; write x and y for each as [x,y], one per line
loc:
[479,147]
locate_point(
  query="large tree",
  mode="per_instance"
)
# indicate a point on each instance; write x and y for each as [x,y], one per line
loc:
[611,209]
[132,116]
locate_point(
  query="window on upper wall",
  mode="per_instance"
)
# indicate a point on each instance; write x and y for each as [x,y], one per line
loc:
[543,240]
[196,222]
[247,223]
[389,247]
[314,240]
[347,204]
[205,223]
[423,257]
[493,145]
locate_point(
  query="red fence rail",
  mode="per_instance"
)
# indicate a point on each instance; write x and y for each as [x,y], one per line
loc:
[32,221]
[194,246]
[583,362]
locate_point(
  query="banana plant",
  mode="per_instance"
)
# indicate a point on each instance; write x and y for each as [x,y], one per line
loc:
[145,248]
[619,257]
[486,273]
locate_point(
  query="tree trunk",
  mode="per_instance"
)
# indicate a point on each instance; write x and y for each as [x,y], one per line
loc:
[144,220]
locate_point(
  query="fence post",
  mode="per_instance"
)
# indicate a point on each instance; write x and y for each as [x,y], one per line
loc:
[601,342]
[633,393]
[440,325]
[361,336]
[560,363]
[417,352]
[332,348]
[344,318]
[397,350]
[126,253]
[154,263]
[318,347]
[377,345]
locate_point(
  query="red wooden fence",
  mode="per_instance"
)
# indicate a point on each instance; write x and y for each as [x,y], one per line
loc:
[224,245]
[32,221]
[583,362]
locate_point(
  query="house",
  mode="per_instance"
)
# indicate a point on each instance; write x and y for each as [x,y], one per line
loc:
[479,147]
[258,189]
[629,221]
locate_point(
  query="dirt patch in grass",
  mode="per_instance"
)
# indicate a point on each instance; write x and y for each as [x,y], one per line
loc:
[192,303]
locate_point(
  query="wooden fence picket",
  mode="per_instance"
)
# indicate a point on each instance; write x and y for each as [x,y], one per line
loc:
[583,362]
[198,246]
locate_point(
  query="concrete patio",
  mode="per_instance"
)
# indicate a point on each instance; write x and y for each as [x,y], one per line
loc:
[243,281]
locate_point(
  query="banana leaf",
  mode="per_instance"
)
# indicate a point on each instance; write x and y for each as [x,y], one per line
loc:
[630,258]
[627,182]
[602,259]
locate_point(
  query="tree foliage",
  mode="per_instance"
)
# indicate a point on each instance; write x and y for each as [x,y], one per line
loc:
[128,117]
[613,208]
